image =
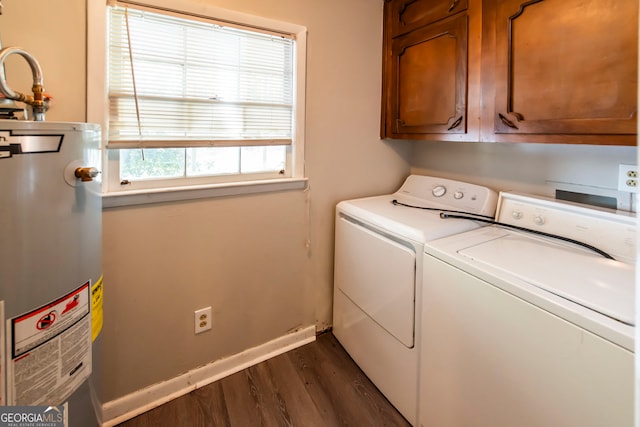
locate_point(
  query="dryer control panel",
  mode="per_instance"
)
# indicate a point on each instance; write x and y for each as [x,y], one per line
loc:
[442,192]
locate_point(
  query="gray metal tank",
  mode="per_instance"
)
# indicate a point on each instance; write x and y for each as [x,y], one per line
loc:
[50,244]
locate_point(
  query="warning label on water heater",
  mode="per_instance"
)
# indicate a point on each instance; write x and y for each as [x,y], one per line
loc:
[49,350]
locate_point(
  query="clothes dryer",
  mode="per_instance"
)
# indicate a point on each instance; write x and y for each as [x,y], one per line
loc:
[378,275]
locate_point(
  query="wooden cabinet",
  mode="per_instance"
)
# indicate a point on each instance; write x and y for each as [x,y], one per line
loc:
[560,71]
[429,78]
[408,15]
[550,71]
[425,84]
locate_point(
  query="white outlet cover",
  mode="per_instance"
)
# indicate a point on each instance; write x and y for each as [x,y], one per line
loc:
[202,320]
[623,178]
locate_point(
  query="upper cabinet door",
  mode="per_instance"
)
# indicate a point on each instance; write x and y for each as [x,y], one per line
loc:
[562,71]
[411,14]
[428,79]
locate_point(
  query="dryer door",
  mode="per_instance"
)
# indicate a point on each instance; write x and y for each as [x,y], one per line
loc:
[378,275]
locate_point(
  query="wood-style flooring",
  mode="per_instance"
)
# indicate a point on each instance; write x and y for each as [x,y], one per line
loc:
[315,385]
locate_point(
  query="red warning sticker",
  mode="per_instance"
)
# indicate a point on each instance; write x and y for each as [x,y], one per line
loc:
[43,323]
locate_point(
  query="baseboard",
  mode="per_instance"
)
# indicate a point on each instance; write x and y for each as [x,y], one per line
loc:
[133,404]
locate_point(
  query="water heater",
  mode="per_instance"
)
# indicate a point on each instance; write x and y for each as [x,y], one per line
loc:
[50,265]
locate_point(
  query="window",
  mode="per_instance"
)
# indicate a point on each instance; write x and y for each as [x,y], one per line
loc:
[193,100]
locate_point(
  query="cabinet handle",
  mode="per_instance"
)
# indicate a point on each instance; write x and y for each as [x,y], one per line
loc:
[456,123]
[507,121]
[453,5]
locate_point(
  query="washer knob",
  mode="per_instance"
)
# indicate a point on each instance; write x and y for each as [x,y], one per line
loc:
[516,214]
[439,190]
[458,195]
[538,219]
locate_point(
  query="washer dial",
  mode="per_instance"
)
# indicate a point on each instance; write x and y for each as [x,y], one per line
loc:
[539,219]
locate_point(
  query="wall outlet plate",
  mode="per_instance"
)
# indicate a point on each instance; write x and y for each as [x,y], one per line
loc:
[628,178]
[202,320]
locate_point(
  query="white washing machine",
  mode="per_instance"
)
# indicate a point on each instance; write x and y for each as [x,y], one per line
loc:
[378,275]
[529,330]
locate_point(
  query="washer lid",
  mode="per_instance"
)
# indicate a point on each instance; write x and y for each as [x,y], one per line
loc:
[603,285]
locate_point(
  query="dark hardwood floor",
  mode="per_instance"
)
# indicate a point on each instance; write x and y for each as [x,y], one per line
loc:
[314,385]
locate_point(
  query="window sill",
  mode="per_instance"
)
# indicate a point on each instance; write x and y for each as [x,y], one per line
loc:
[173,194]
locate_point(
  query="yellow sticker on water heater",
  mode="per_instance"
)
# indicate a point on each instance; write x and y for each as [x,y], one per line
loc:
[96,309]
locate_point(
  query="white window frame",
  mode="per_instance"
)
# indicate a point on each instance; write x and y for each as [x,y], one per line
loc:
[115,194]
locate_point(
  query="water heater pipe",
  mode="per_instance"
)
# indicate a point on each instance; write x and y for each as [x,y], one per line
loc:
[36,101]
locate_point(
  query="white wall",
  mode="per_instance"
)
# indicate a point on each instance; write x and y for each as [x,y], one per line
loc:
[54,33]
[529,168]
[263,262]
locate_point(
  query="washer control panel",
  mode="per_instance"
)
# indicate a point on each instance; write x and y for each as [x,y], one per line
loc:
[609,230]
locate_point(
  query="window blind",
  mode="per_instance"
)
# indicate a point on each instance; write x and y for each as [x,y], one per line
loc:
[180,82]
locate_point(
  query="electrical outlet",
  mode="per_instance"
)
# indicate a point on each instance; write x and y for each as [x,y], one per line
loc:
[628,178]
[202,319]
